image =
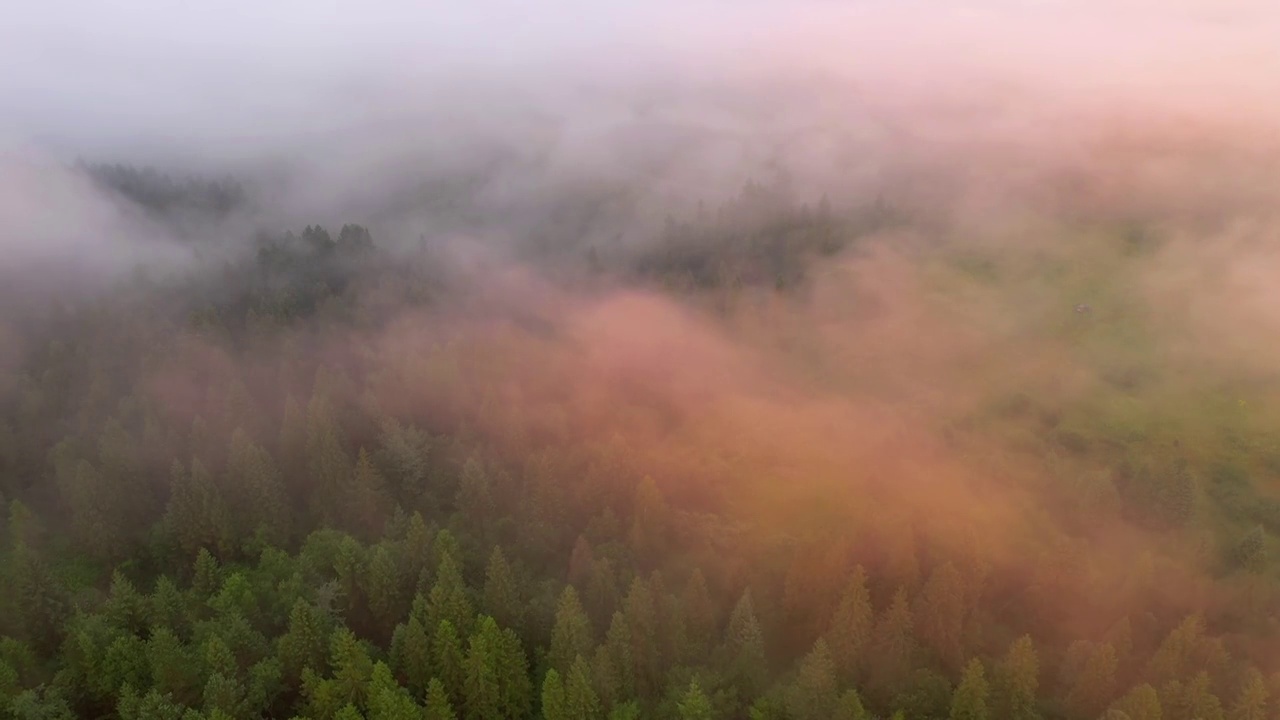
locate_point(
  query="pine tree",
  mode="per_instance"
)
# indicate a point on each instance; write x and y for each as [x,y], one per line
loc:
[850,632]
[1253,699]
[305,644]
[363,497]
[694,705]
[126,608]
[893,645]
[813,695]
[1140,703]
[581,561]
[43,603]
[438,705]
[648,525]
[969,702]
[616,677]
[385,588]
[641,614]
[699,614]
[474,500]
[1092,684]
[389,701]
[601,598]
[850,707]
[502,599]
[1015,682]
[1175,657]
[265,684]
[939,615]
[225,695]
[207,574]
[352,667]
[411,655]
[744,644]
[258,498]
[328,465]
[555,705]
[448,598]
[571,634]
[449,661]
[197,514]
[292,445]
[167,608]
[416,550]
[497,681]
[1192,700]
[580,696]
[403,457]
[175,670]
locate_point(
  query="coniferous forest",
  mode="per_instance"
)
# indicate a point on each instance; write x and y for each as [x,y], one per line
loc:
[944,389]
[752,468]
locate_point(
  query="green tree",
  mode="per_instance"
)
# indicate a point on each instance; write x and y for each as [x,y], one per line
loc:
[814,693]
[1253,700]
[167,608]
[352,667]
[411,655]
[474,500]
[893,645]
[385,588]
[555,705]
[126,608]
[850,707]
[328,465]
[648,525]
[258,498]
[1192,700]
[1015,682]
[449,662]
[497,681]
[224,694]
[502,599]
[197,514]
[305,643]
[42,601]
[448,598]
[744,646]
[207,574]
[389,701]
[699,614]
[438,705]
[850,633]
[363,497]
[939,615]
[175,670]
[580,696]
[641,613]
[694,705]
[1140,703]
[1090,678]
[969,702]
[403,459]
[571,634]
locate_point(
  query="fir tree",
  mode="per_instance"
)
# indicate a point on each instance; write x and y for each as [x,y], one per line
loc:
[970,699]
[571,634]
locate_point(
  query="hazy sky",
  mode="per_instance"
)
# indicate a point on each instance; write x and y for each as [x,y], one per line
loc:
[82,72]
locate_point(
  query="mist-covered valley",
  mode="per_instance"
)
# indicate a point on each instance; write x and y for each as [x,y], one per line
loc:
[785,362]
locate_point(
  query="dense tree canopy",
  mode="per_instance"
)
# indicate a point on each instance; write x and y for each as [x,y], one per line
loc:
[326,484]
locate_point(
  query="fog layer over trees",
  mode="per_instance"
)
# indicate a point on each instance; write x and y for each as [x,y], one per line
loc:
[688,361]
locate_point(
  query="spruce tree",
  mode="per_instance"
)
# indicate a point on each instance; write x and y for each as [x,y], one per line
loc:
[969,702]
[571,633]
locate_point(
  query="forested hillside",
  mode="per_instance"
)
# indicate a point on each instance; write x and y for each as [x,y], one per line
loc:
[781,461]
